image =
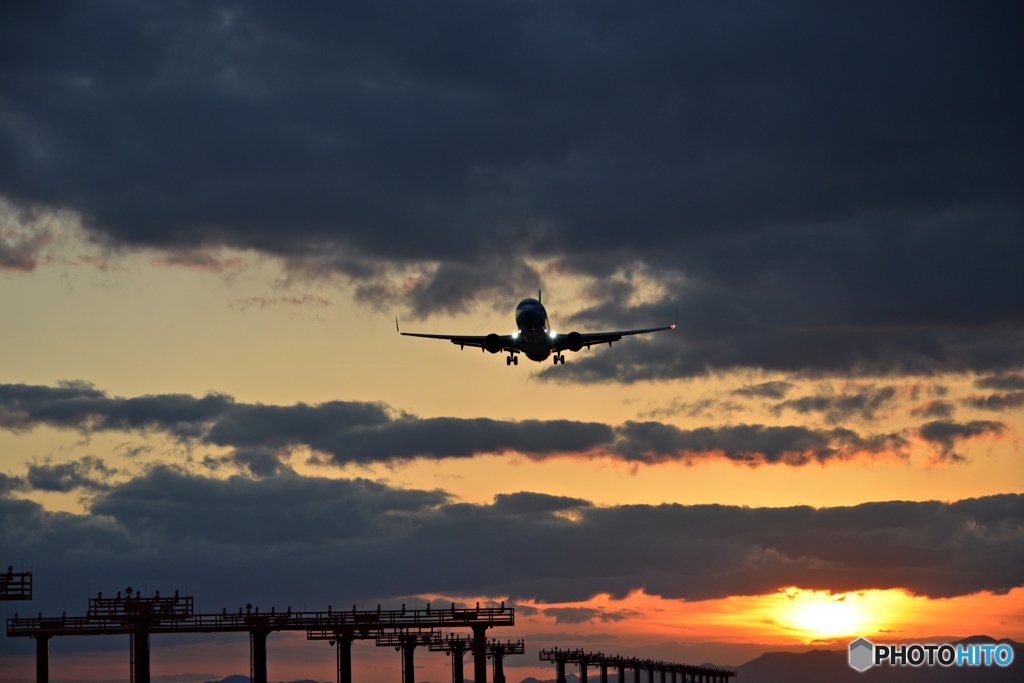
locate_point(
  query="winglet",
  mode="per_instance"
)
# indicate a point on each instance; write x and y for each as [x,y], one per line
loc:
[396,325]
[671,327]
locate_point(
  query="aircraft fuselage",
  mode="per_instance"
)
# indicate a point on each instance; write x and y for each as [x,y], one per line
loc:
[533,336]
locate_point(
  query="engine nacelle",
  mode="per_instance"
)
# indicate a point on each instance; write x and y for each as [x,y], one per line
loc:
[492,343]
[574,341]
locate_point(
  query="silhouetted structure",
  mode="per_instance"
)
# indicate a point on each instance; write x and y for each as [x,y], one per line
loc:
[15,585]
[687,673]
[18,586]
[498,650]
[455,646]
[141,616]
[406,642]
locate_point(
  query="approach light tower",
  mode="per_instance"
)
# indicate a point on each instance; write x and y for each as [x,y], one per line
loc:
[16,585]
[456,646]
[142,614]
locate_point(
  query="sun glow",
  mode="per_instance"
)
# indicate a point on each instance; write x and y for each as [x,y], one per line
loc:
[822,615]
[789,617]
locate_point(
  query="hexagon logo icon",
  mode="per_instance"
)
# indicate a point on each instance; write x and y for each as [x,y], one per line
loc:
[861,654]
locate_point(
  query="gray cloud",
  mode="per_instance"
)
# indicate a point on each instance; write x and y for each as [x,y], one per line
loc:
[453,288]
[79,405]
[177,504]
[21,254]
[9,484]
[775,389]
[354,540]
[998,402]
[526,503]
[837,188]
[752,444]
[838,408]
[88,472]
[1008,381]
[260,436]
[935,408]
[945,435]
[708,408]
[740,322]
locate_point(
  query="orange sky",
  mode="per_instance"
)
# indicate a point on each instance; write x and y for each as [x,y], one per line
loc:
[71,320]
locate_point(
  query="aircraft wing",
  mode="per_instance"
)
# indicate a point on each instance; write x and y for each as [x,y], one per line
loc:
[474,341]
[588,339]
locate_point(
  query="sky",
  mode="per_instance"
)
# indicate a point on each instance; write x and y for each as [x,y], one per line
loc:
[212,214]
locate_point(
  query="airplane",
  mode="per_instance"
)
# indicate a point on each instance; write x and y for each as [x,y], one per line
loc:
[533,336]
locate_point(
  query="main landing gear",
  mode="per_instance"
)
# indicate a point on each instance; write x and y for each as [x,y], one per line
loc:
[559,358]
[512,360]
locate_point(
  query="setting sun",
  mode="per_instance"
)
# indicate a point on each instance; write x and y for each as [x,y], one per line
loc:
[822,615]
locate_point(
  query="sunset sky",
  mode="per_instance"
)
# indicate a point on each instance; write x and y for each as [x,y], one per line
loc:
[211,215]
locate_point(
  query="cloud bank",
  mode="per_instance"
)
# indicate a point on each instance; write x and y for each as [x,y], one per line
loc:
[351,539]
[348,432]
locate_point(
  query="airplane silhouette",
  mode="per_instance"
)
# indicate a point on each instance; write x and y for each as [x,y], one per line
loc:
[533,336]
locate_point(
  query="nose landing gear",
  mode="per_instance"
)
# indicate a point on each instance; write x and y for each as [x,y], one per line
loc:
[512,360]
[559,358]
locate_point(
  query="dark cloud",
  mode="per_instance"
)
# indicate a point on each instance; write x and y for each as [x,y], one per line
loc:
[998,402]
[79,405]
[346,541]
[525,503]
[9,484]
[88,473]
[752,444]
[819,317]
[262,436]
[453,288]
[945,435]
[775,389]
[257,460]
[830,188]
[936,408]
[837,408]
[177,505]
[1005,381]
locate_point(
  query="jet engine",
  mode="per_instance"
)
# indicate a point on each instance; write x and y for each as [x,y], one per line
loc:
[492,343]
[574,341]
